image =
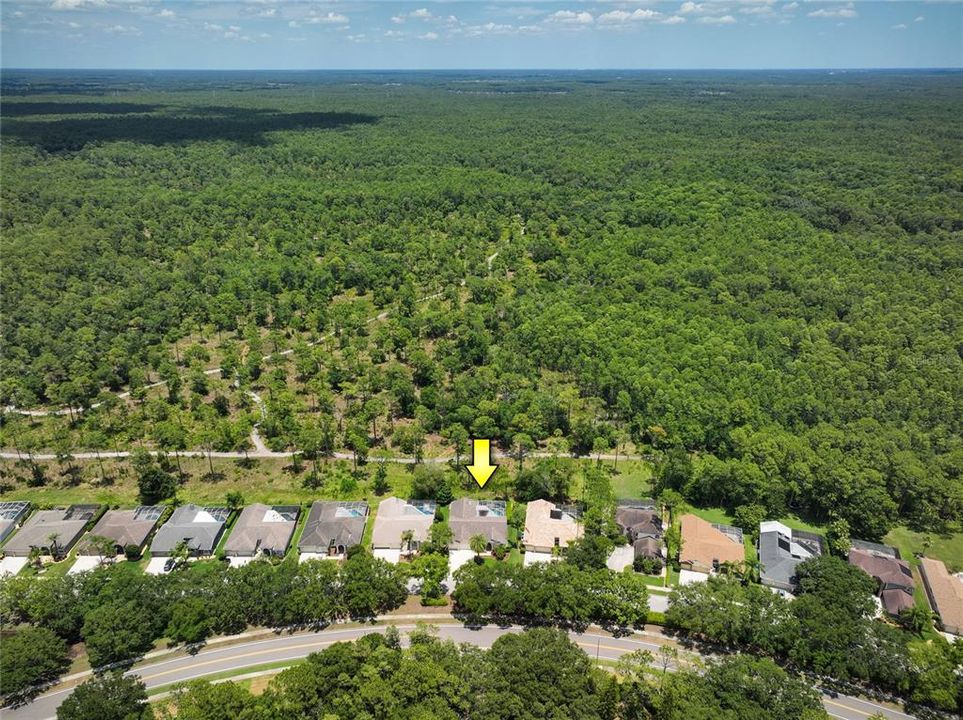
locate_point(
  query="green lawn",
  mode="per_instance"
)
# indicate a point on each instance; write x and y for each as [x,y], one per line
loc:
[719,515]
[948,548]
[633,478]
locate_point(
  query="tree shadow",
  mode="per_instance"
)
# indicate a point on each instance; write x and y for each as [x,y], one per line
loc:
[241,125]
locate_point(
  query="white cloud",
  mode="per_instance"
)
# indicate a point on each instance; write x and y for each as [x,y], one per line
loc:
[293,24]
[713,20]
[757,10]
[619,17]
[673,20]
[165,13]
[360,37]
[18,13]
[789,7]
[703,8]
[213,27]
[901,26]
[122,30]
[394,34]
[331,18]
[490,28]
[428,36]
[269,12]
[75,4]
[398,19]
[919,18]
[234,28]
[73,24]
[423,13]
[569,17]
[846,11]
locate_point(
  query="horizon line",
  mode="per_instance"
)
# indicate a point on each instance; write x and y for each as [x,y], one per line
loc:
[946,68]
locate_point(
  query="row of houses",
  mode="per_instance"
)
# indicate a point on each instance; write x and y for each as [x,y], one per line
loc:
[403,526]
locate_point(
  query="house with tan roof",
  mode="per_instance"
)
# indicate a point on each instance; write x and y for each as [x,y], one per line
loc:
[945,593]
[706,546]
[394,518]
[549,526]
[124,527]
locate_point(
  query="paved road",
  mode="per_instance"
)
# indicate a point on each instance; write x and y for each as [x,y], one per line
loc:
[218,659]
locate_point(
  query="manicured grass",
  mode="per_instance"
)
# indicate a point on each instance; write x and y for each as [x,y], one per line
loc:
[633,478]
[948,548]
[369,523]
[653,580]
[278,665]
[721,516]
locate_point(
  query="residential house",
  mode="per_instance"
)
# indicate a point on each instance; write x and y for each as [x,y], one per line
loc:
[549,526]
[52,532]
[11,514]
[395,517]
[198,528]
[123,527]
[894,578]
[642,527]
[468,517]
[262,530]
[707,546]
[945,593]
[332,528]
[781,549]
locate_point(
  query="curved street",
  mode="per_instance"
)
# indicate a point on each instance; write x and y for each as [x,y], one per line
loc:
[235,658]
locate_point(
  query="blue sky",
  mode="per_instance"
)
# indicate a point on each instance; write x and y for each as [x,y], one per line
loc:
[267,34]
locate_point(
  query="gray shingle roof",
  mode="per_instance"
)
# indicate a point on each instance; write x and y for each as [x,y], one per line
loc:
[781,550]
[67,524]
[262,528]
[639,523]
[468,517]
[199,527]
[333,525]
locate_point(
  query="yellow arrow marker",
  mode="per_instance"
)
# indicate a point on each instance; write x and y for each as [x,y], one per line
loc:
[481,467]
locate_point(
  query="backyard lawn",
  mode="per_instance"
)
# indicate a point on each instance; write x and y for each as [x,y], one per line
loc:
[948,548]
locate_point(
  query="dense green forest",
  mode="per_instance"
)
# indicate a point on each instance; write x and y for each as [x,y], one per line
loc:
[536,675]
[755,275]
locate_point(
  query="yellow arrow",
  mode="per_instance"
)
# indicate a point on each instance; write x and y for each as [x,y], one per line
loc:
[481,467]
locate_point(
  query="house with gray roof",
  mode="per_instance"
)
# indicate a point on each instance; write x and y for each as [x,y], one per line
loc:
[262,529]
[52,532]
[12,513]
[332,528]
[781,549]
[199,528]
[123,527]
[468,517]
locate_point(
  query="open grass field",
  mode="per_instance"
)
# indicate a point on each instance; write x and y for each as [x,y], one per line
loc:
[948,548]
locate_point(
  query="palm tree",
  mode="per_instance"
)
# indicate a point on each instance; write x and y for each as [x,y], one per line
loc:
[406,537]
[478,544]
